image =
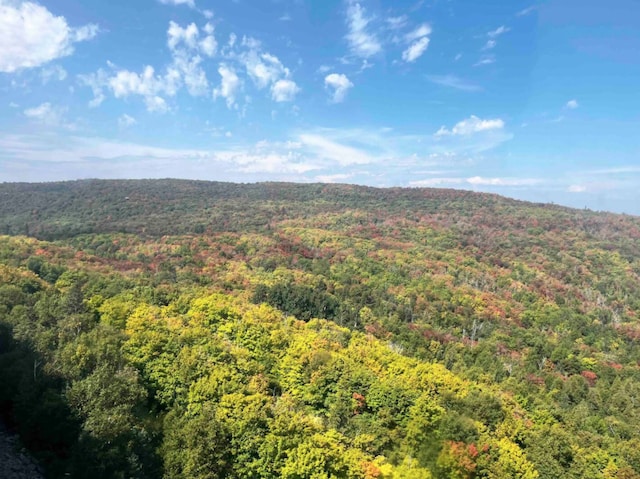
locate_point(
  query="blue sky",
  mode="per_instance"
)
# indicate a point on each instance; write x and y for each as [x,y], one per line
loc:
[538,101]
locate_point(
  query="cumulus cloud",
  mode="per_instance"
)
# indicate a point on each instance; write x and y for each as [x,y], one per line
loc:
[263,68]
[266,70]
[471,125]
[176,35]
[229,85]
[284,90]
[31,36]
[186,45]
[572,104]
[418,40]
[339,84]
[362,42]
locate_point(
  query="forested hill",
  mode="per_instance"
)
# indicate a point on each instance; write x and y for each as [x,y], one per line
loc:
[183,329]
[161,207]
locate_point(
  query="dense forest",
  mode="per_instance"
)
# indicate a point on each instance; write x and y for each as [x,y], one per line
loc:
[184,329]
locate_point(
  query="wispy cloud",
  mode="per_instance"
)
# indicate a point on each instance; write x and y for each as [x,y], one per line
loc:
[498,31]
[49,115]
[189,3]
[396,23]
[471,125]
[477,181]
[418,40]
[453,81]
[526,11]
[326,148]
[362,41]
[125,121]
[485,60]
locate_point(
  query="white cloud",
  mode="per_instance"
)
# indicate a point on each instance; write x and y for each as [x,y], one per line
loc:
[266,70]
[419,32]
[498,31]
[48,115]
[96,81]
[526,11]
[188,68]
[340,85]
[489,45]
[453,81]
[328,149]
[189,3]
[471,125]
[362,42]
[209,45]
[30,35]
[85,33]
[146,84]
[85,157]
[284,90]
[336,178]
[176,35]
[485,60]
[229,85]
[577,189]
[481,181]
[208,14]
[572,104]
[156,104]
[185,70]
[415,50]
[190,38]
[55,72]
[615,170]
[419,42]
[41,112]
[263,68]
[395,23]
[477,181]
[126,121]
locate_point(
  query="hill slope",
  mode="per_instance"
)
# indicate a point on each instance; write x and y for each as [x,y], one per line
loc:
[194,329]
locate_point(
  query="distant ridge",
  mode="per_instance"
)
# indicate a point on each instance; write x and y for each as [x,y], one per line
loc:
[169,206]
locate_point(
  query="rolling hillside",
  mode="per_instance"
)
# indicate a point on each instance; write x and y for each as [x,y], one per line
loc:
[169,328]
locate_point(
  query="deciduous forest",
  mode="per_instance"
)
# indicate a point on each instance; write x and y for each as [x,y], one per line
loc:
[184,329]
